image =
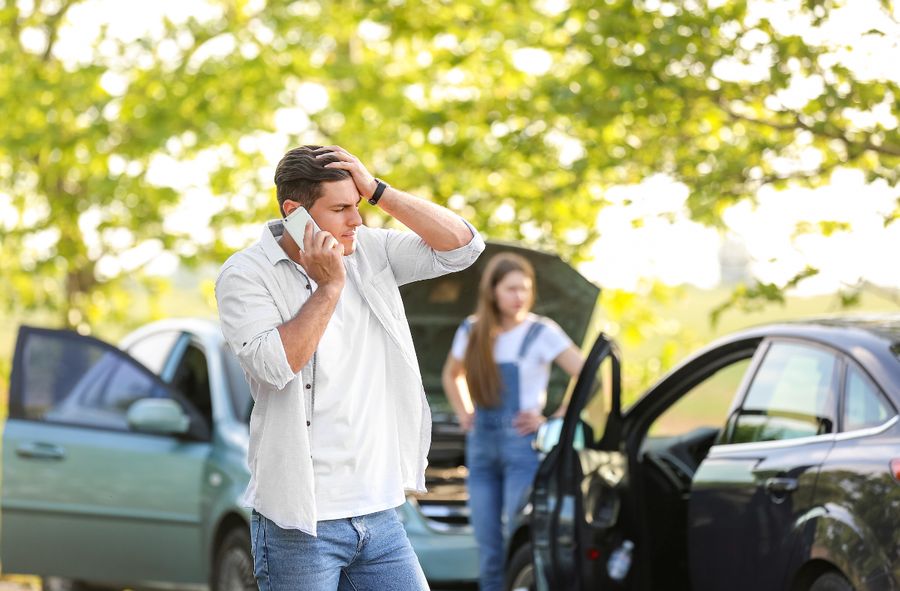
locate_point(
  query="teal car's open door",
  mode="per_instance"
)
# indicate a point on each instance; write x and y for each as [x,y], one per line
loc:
[90,479]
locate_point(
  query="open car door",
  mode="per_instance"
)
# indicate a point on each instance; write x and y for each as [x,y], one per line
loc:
[102,462]
[576,499]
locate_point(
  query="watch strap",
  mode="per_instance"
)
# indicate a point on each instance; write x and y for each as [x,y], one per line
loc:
[379,190]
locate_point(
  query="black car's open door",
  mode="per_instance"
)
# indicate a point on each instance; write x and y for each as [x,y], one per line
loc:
[576,500]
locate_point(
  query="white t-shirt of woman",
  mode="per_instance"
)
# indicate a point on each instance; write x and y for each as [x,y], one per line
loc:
[534,367]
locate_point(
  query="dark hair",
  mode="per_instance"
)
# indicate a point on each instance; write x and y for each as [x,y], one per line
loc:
[299,176]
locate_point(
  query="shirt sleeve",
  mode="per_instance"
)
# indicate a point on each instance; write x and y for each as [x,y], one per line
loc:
[460,341]
[250,322]
[411,259]
[552,341]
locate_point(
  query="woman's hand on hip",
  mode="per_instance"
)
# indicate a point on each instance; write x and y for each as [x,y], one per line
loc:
[528,421]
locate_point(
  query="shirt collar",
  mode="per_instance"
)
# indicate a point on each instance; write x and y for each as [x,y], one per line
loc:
[269,240]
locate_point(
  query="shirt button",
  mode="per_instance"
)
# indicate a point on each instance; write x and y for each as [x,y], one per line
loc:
[308,423]
[308,286]
[308,386]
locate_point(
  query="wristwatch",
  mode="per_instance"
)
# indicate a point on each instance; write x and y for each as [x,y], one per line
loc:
[379,189]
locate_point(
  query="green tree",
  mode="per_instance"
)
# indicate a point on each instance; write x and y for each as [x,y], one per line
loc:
[519,115]
[81,135]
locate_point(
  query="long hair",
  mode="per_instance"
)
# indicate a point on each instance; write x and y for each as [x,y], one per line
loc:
[482,375]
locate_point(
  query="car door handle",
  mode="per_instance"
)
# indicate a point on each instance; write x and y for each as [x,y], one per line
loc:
[781,485]
[40,451]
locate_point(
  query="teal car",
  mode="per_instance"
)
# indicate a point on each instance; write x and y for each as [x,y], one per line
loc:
[123,466]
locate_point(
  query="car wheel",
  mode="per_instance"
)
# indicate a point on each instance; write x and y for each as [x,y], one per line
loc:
[233,568]
[831,582]
[520,572]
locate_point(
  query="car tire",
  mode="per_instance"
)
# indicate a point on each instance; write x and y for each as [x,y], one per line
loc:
[520,571]
[831,582]
[233,566]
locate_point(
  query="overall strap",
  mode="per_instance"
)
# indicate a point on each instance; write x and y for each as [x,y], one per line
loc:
[533,331]
[467,325]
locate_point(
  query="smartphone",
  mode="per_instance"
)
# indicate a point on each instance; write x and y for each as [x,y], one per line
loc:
[295,224]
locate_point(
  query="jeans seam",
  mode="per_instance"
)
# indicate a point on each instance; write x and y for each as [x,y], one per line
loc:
[265,555]
[349,580]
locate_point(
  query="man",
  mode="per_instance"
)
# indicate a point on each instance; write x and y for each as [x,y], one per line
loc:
[340,425]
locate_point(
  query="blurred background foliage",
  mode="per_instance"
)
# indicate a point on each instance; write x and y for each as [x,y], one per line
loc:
[518,115]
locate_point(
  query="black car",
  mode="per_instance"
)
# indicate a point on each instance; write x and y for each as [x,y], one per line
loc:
[769,460]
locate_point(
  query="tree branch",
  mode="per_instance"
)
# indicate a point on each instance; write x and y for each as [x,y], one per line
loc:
[800,175]
[52,23]
[866,145]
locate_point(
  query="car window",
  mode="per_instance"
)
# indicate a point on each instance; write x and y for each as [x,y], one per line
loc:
[595,412]
[191,379]
[79,381]
[864,405]
[238,388]
[792,395]
[704,405]
[153,350]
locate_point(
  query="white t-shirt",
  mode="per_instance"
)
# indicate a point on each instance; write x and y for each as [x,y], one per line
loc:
[534,368]
[355,445]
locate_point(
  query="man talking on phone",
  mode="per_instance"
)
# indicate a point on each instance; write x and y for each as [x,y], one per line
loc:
[340,426]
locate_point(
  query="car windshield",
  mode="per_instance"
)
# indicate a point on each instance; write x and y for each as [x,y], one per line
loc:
[238,389]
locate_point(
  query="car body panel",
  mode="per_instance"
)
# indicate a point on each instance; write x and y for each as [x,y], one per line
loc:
[860,502]
[760,524]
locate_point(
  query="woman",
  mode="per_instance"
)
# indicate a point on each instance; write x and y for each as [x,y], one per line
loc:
[496,377]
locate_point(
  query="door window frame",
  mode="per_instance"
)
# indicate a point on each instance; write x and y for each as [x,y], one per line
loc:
[841,433]
[688,376]
[761,355]
[198,430]
[185,340]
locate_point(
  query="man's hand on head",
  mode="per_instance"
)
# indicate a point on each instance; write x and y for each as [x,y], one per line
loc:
[322,256]
[362,178]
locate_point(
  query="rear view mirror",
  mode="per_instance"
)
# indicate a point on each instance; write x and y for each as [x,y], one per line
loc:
[158,415]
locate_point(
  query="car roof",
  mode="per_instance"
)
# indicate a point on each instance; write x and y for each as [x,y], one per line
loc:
[886,326]
[842,332]
[207,329]
[872,340]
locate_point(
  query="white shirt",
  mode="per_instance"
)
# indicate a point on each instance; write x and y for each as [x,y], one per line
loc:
[260,288]
[354,432]
[534,368]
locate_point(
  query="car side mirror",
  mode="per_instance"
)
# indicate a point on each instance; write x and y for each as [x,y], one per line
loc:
[548,435]
[158,415]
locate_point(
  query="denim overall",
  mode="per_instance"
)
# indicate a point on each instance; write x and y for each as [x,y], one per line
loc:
[502,465]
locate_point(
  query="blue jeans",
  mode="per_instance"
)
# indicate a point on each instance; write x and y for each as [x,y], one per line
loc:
[355,554]
[502,466]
